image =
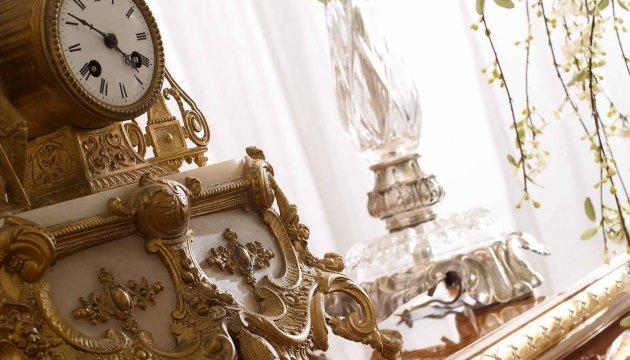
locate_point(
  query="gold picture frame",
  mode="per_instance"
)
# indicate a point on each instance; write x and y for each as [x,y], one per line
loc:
[559,325]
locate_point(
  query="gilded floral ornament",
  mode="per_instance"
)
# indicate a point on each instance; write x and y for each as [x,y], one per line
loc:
[23,333]
[118,301]
[206,322]
[244,259]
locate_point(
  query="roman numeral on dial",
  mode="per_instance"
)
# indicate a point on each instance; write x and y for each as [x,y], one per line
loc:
[145,60]
[104,86]
[75,47]
[129,12]
[141,36]
[85,71]
[79,4]
[123,91]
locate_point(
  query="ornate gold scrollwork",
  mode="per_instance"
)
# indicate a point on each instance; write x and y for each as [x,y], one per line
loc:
[358,325]
[206,322]
[244,259]
[107,151]
[26,251]
[71,162]
[136,138]
[195,124]
[118,301]
[23,332]
[49,163]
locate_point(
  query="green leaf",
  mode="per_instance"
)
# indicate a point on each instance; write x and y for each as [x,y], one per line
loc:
[623,5]
[603,4]
[589,233]
[625,322]
[512,161]
[508,4]
[481,4]
[589,209]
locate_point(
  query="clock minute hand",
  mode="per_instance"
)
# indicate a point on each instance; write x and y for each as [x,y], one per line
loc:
[89,25]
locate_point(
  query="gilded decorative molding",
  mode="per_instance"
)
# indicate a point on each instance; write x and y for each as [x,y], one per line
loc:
[106,152]
[118,301]
[70,162]
[244,259]
[534,335]
[24,333]
[49,163]
[195,124]
[206,321]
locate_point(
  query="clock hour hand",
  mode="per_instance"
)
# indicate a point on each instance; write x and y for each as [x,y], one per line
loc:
[128,59]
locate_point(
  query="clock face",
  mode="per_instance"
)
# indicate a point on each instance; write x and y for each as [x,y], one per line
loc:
[109,49]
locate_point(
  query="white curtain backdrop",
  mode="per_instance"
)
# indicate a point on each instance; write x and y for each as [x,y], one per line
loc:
[260,70]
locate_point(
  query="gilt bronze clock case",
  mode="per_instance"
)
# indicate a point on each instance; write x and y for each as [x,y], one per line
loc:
[37,77]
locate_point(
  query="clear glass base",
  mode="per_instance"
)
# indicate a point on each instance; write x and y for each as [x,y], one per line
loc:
[433,240]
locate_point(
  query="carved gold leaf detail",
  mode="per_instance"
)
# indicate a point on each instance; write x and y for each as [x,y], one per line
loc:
[207,322]
[118,301]
[71,162]
[26,251]
[49,163]
[238,258]
[24,332]
[108,152]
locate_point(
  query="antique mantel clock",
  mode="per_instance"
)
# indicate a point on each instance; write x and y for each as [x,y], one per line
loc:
[108,253]
[79,62]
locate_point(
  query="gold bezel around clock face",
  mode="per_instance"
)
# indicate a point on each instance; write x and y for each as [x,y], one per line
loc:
[118,83]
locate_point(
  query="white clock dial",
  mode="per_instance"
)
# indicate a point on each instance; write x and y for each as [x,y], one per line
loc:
[109,48]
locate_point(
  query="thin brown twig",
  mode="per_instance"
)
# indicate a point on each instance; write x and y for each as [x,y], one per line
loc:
[573,105]
[612,155]
[597,120]
[527,46]
[616,28]
[602,152]
[507,91]
[556,66]
[601,208]
[566,28]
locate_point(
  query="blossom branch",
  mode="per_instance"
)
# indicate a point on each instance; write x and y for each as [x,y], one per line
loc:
[519,140]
